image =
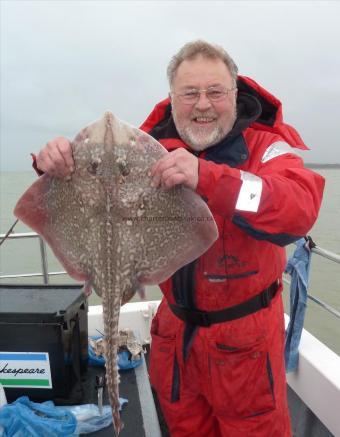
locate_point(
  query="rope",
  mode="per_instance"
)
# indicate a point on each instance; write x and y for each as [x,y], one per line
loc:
[9,231]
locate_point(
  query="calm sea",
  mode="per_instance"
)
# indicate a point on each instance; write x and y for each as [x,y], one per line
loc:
[23,256]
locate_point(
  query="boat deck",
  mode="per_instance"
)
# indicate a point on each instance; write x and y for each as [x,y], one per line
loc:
[143,418]
[139,415]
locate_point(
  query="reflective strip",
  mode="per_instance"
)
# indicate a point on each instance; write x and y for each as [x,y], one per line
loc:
[277,149]
[250,193]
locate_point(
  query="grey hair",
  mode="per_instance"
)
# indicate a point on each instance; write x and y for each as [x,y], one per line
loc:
[200,47]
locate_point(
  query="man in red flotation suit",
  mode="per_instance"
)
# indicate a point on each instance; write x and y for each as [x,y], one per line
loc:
[218,336]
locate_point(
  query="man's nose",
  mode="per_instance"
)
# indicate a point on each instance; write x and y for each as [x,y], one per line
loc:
[203,102]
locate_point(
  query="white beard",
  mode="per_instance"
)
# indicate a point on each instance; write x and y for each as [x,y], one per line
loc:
[196,136]
[199,140]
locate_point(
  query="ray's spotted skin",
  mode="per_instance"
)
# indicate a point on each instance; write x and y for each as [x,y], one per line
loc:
[111,229]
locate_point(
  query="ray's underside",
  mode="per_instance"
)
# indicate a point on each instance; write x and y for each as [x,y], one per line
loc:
[110,228]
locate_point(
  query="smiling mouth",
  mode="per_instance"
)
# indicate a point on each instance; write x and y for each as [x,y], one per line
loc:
[203,120]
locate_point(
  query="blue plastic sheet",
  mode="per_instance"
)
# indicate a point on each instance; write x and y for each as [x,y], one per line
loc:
[89,418]
[124,358]
[298,267]
[125,362]
[24,418]
[95,360]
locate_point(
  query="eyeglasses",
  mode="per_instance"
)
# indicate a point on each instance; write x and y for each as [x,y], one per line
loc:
[214,94]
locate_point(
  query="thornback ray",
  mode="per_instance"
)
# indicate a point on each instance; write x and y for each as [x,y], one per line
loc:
[111,229]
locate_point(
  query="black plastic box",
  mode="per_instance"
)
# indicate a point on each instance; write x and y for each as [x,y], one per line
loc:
[50,319]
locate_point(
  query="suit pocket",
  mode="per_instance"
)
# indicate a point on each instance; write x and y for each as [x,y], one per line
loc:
[164,369]
[241,379]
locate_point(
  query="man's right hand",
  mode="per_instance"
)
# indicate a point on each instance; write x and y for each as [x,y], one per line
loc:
[56,158]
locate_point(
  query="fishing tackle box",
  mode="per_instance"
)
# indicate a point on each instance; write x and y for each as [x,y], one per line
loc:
[44,336]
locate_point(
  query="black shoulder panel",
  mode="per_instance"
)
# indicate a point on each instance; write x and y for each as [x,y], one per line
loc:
[278,239]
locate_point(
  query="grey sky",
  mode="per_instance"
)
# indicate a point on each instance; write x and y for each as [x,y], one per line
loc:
[63,63]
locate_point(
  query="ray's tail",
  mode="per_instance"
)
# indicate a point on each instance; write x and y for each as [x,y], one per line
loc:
[111,318]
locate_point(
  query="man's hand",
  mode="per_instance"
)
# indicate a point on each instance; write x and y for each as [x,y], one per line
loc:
[56,158]
[177,167]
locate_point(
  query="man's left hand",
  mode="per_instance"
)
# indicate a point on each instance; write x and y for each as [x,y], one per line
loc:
[177,167]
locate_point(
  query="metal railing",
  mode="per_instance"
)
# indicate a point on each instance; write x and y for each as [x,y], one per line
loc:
[332,257]
[45,274]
